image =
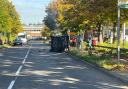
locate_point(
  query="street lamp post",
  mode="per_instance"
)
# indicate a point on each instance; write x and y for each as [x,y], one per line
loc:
[121,4]
[118,43]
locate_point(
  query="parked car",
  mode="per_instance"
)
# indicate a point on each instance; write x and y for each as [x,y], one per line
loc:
[17,41]
[44,38]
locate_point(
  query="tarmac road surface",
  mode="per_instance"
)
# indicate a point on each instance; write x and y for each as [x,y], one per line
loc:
[34,67]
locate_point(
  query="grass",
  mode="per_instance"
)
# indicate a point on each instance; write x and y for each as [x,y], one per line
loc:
[105,62]
[5,46]
[114,44]
[113,52]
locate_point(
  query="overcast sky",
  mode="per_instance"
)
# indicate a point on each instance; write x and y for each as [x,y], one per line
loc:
[31,11]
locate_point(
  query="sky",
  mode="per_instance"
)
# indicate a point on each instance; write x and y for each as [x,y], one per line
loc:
[31,11]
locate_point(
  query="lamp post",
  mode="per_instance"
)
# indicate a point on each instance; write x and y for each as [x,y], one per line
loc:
[118,32]
[121,4]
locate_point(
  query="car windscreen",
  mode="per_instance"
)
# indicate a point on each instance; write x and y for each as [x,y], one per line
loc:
[21,36]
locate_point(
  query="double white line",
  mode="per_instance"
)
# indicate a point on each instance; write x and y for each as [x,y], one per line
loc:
[19,69]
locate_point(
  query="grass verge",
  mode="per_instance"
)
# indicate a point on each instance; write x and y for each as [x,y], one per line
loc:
[5,46]
[105,62]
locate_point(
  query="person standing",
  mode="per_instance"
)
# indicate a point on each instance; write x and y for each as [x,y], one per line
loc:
[66,43]
[89,46]
[90,41]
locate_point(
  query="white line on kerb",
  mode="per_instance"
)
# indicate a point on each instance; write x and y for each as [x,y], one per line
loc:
[19,69]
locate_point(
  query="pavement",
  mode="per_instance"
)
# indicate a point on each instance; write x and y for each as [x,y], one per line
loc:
[34,67]
[123,76]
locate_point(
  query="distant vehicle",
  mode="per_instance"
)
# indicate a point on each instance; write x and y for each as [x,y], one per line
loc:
[39,38]
[23,37]
[35,38]
[17,41]
[44,38]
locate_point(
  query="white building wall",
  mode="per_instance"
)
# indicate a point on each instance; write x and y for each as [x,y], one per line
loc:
[31,29]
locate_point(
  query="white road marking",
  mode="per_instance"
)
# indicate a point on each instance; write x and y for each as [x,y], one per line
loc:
[11,84]
[27,54]
[24,61]
[19,69]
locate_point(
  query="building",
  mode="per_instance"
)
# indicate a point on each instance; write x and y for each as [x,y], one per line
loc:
[33,31]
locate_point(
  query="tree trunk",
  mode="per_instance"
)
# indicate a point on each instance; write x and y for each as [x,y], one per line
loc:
[101,34]
[8,38]
[114,32]
[123,34]
[99,31]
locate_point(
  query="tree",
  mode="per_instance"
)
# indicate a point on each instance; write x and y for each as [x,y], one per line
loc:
[71,14]
[45,32]
[10,23]
[81,15]
[50,19]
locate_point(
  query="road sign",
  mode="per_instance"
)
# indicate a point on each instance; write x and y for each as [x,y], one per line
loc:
[123,3]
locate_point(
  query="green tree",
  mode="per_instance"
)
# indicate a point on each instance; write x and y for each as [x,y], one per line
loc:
[50,19]
[45,32]
[10,23]
[81,15]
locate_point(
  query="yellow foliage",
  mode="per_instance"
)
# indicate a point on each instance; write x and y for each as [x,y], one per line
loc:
[61,8]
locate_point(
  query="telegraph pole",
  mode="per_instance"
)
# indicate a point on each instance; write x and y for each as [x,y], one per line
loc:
[118,32]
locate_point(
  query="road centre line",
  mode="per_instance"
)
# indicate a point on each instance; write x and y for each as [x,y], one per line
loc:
[19,69]
[11,84]
[27,54]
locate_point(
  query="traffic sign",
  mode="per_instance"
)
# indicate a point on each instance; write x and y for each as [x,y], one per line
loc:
[123,3]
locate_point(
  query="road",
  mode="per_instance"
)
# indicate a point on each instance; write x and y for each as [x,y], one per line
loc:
[34,67]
